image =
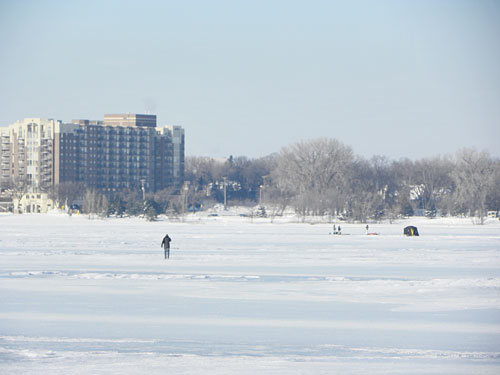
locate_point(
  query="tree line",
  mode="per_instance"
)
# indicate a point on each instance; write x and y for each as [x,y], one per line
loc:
[317,177]
[98,203]
[324,177]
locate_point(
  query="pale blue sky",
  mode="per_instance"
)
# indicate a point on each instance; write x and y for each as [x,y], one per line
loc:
[396,78]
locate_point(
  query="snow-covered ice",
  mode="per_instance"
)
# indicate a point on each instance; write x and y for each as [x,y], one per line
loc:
[245,296]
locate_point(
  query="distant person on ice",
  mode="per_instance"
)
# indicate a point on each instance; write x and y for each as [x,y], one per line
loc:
[166,246]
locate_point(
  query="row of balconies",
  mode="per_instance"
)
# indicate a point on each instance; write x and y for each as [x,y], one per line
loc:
[100,137]
[122,171]
[111,163]
[124,159]
[111,130]
[120,139]
[115,144]
[122,150]
[114,171]
[143,168]
[115,161]
[124,145]
[108,182]
[117,154]
[100,140]
[128,167]
[120,157]
[110,147]
[123,177]
[115,151]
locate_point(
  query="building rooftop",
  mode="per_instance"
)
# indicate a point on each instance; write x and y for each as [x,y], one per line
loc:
[130,119]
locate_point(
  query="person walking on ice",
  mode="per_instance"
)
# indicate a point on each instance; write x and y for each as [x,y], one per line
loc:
[166,246]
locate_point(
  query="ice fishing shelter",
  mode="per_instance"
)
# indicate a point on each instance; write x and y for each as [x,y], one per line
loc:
[410,231]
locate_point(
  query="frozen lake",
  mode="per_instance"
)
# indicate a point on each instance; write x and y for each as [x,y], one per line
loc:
[81,296]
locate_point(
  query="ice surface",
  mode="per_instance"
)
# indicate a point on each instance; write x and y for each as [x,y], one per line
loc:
[245,296]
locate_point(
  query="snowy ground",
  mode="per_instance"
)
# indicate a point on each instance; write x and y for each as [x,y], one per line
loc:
[244,296]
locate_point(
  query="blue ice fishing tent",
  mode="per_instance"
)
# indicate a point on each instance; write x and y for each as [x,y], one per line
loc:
[410,231]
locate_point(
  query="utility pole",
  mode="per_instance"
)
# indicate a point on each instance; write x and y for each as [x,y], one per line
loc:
[143,188]
[185,189]
[262,192]
[225,195]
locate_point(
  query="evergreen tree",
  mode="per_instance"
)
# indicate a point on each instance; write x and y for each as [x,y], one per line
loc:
[431,211]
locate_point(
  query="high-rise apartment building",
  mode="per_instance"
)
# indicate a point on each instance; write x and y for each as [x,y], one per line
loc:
[26,153]
[121,152]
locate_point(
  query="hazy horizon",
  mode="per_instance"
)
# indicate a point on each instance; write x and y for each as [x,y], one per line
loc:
[395,78]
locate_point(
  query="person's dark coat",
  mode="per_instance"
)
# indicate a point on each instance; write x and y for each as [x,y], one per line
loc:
[166,242]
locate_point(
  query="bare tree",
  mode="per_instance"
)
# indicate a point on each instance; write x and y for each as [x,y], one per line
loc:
[474,175]
[68,192]
[89,202]
[312,170]
[200,171]
[434,178]
[276,200]
[371,189]
[95,203]
[493,197]
[405,176]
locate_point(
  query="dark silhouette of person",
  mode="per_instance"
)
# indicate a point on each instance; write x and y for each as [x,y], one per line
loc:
[166,245]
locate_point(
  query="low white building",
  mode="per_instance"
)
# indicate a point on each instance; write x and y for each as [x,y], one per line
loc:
[33,203]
